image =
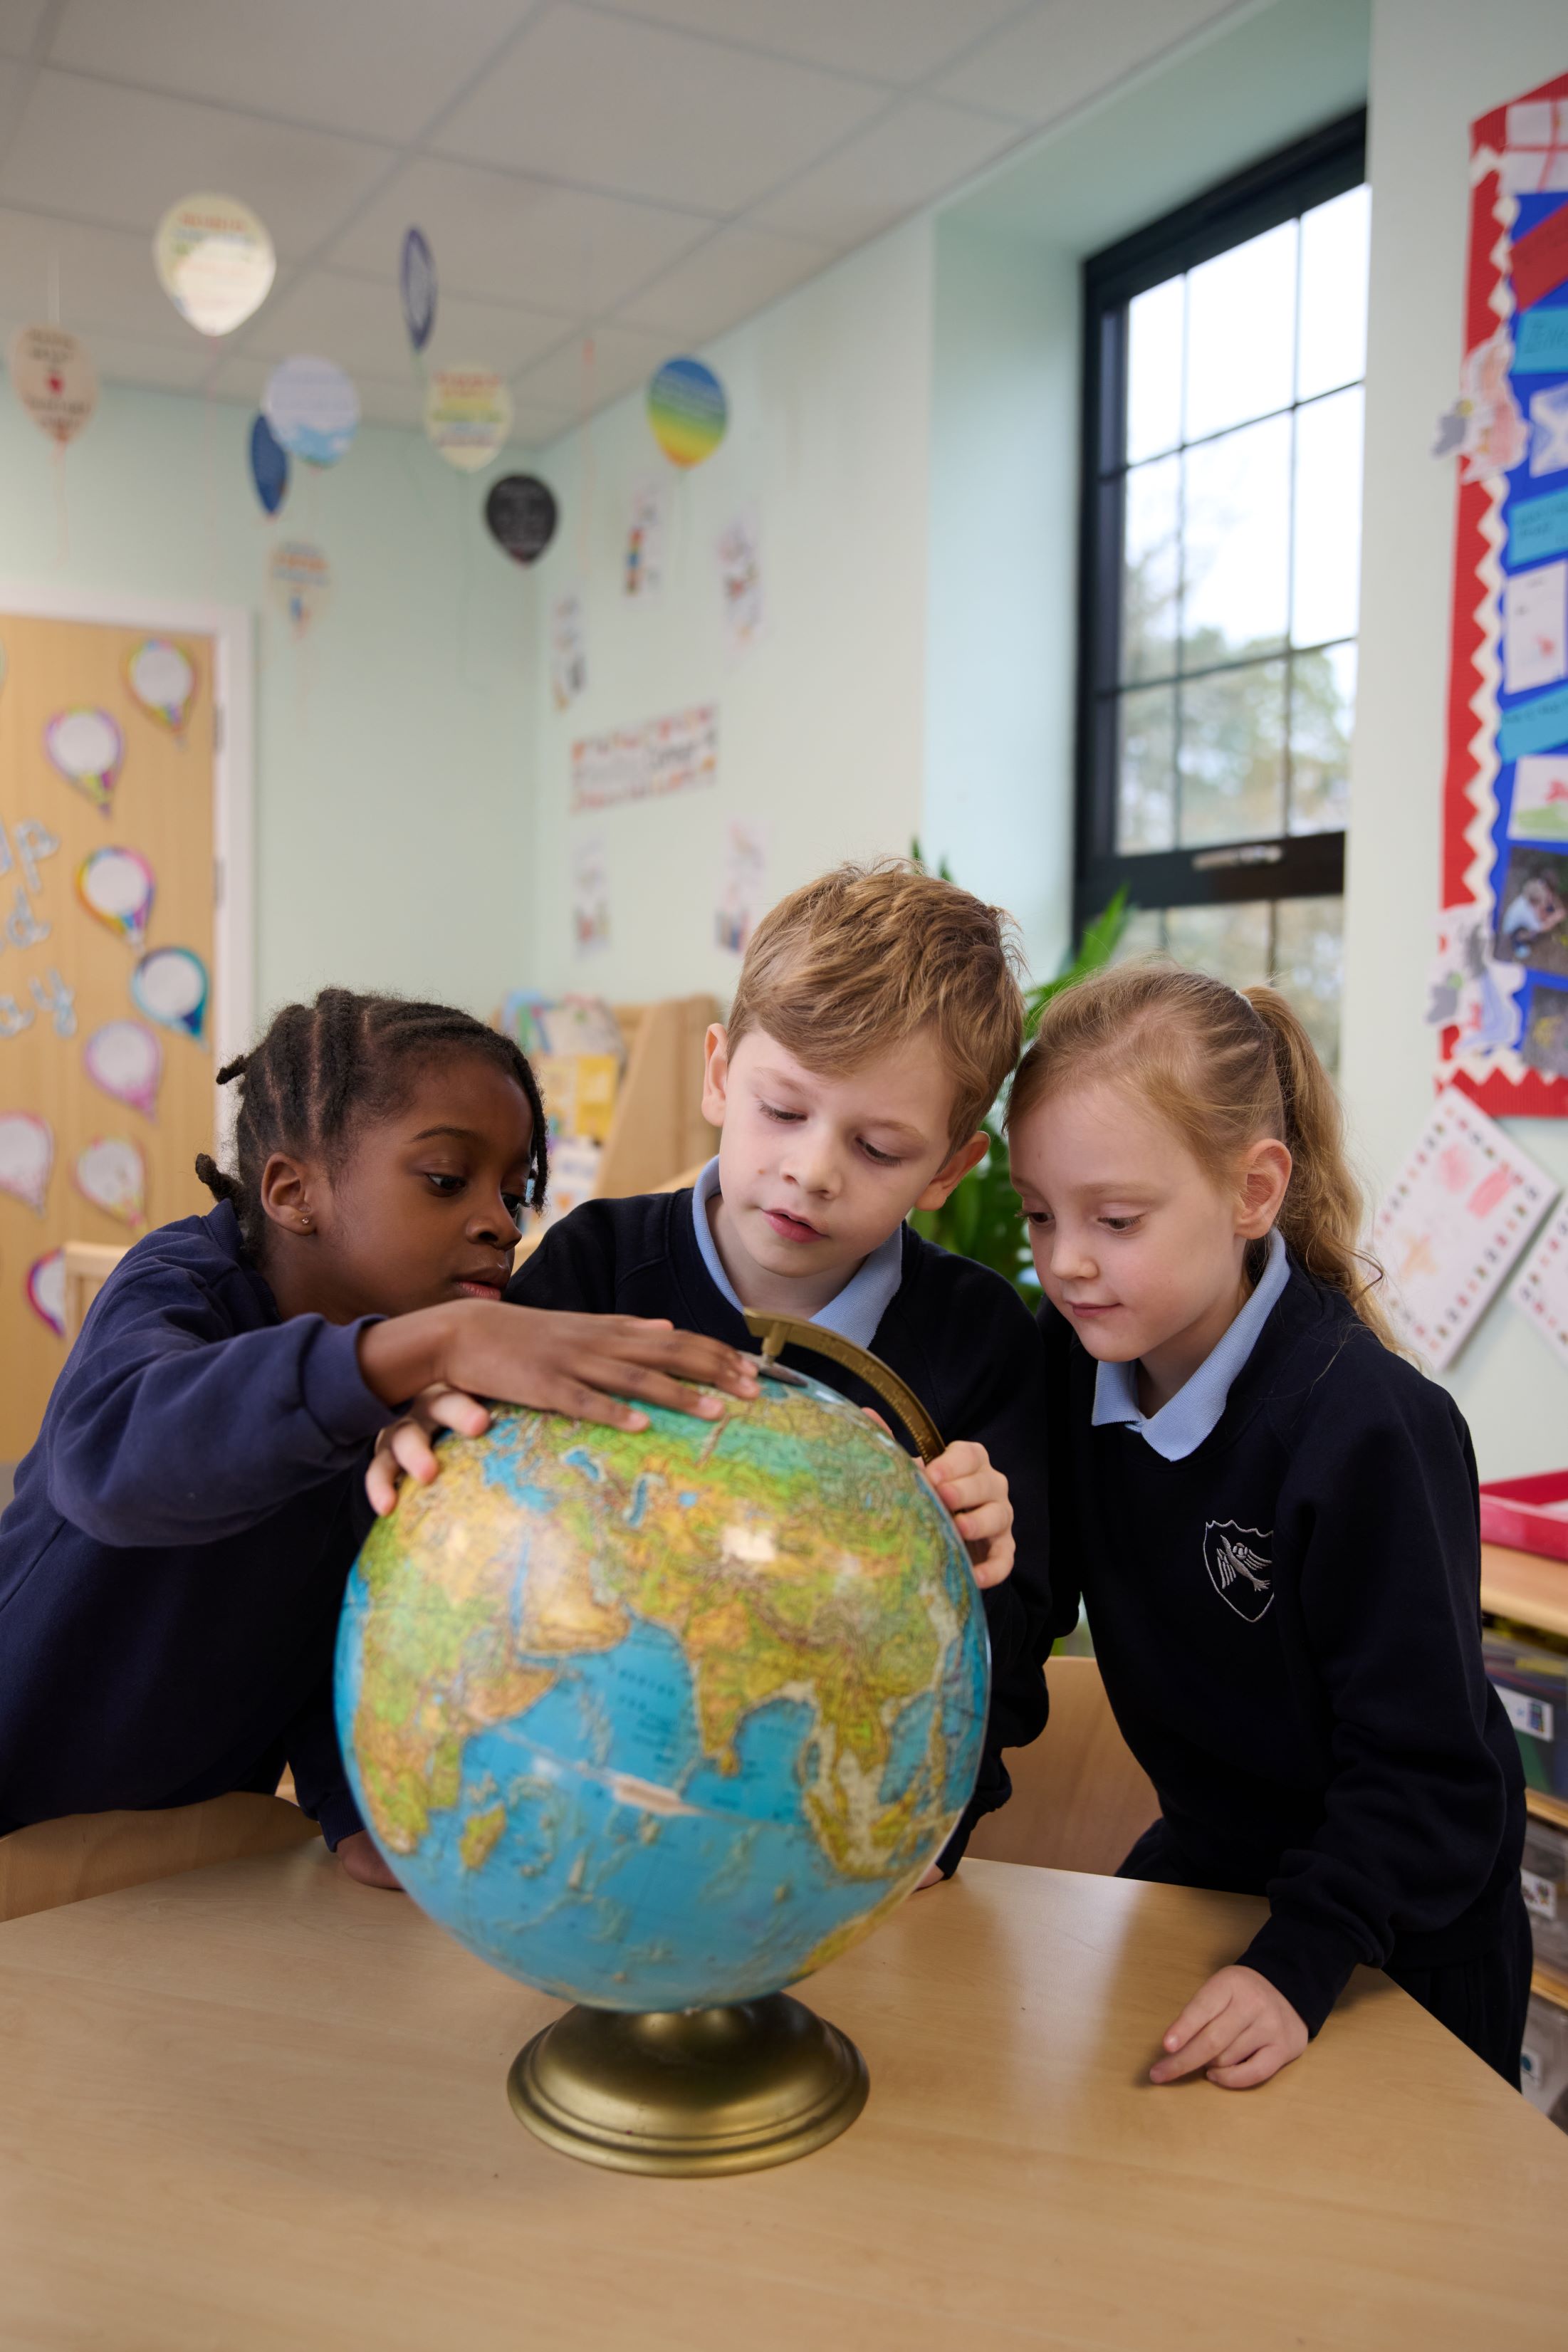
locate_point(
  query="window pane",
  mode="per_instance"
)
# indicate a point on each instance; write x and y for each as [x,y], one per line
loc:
[1308,961]
[1149,576]
[1146,770]
[1241,333]
[1144,935]
[1327,520]
[1154,369]
[1332,329]
[1237,506]
[1230,941]
[1233,755]
[1322,711]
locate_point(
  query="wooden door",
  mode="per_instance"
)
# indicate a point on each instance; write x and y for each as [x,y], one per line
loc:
[106,952]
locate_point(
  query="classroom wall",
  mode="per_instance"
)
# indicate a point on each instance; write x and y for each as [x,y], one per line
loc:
[1435,66]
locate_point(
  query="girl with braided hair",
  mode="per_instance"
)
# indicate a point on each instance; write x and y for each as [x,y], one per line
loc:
[171,1566]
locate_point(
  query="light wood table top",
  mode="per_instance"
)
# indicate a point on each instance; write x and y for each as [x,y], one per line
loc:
[259,2107]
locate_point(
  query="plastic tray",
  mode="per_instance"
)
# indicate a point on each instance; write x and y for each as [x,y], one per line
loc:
[1528,1514]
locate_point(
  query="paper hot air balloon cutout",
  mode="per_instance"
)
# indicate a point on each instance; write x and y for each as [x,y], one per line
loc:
[301,582]
[126,1060]
[111,1173]
[215,261]
[46,1289]
[170,986]
[468,415]
[522,515]
[88,750]
[116,886]
[55,380]
[312,408]
[417,282]
[163,677]
[688,411]
[26,1158]
[269,465]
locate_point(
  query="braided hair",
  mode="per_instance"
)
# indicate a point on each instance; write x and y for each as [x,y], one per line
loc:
[322,1067]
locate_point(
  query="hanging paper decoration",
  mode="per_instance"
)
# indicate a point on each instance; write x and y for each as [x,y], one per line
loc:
[163,677]
[417,280]
[312,408]
[269,465]
[521,512]
[468,415]
[112,1175]
[170,986]
[302,580]
[116,886]
[126,1060]
[26,1158]
[688,411]
[88,750]
[46,1289]
[215,261]
[55,380]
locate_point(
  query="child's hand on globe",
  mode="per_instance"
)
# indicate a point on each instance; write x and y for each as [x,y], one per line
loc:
[360,1859]
[976,1493]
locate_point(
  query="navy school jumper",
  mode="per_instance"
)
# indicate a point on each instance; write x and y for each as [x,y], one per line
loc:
[172,1567]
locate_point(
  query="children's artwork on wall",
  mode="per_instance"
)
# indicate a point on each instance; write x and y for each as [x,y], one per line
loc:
[635,764]
[34,842]
[117,887]
[126,1060]
[268,465]
[1453,1224]
[468,415]
[568,648]
[163,678]
[170,986]
[312,408]
[520,515]
[742,885]
[1505,847]
[300,580]
[688,411]
[46,1289]
[54,378]
[741,585]
[215,261]
[417,285]
[111,1173]
[590,897]
[88,750]
[54,999]
[26,1158]
[642,572]
[1541,1288]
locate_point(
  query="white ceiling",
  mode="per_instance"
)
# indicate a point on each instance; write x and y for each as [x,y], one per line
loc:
[646,173]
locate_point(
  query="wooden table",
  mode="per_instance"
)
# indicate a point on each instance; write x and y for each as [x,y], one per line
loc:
[259,2107]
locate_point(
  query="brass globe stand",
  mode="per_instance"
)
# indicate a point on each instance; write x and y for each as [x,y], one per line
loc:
[690,2090]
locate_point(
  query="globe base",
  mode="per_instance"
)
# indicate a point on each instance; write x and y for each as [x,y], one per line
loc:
[690,2090]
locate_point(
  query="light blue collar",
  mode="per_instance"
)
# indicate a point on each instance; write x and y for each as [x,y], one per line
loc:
[858,1307]
[1184,1421]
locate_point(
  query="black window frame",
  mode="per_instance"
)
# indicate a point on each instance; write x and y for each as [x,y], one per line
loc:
[1277,867]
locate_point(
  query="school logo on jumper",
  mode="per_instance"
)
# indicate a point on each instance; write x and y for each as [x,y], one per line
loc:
[1239,1570]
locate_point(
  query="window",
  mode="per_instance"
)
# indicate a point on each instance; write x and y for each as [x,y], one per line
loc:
[1225,349]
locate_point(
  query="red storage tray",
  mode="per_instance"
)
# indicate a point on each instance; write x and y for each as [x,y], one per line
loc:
[1528,1514]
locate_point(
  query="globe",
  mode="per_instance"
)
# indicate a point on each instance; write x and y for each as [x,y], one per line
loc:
[661,1720]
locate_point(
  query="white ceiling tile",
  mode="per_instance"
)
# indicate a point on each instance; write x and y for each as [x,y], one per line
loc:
[896,41]
[607,102]
[94,151]
[901,163]
[1062,54]
[534,423]
[19,21]
[390,402]
[505,238]
[735,273]
[105,281]
[238,378]
[379,66]
[168,367]
[358,322]
[623,356]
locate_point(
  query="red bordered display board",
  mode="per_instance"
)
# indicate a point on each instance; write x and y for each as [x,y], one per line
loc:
[1500,986]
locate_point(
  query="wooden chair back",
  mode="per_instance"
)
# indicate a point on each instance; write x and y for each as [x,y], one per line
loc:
[1081,1799]
[51,1862]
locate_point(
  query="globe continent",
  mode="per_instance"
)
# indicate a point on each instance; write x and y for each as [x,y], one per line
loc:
[662,1719]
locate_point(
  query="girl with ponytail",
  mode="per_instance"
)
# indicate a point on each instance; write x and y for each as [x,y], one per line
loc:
[1270,1516]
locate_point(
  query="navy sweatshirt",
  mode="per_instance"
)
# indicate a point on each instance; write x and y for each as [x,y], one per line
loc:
[172,1567]
[956,1332]
[1289,1626]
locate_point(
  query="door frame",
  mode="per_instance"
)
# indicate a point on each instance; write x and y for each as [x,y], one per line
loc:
[231,628]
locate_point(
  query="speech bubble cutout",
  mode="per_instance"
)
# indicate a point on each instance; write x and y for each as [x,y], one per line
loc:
[126,1060]
[269,465]
[46,1289]
[215,261]
[112,1175]
[312,408]
[468,415]
[88,750]
[520,516]
[170,986]
[26,1158]
[54,378]
[163,677]
[417,281]
[686,411]
[117,887]
[301,582]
